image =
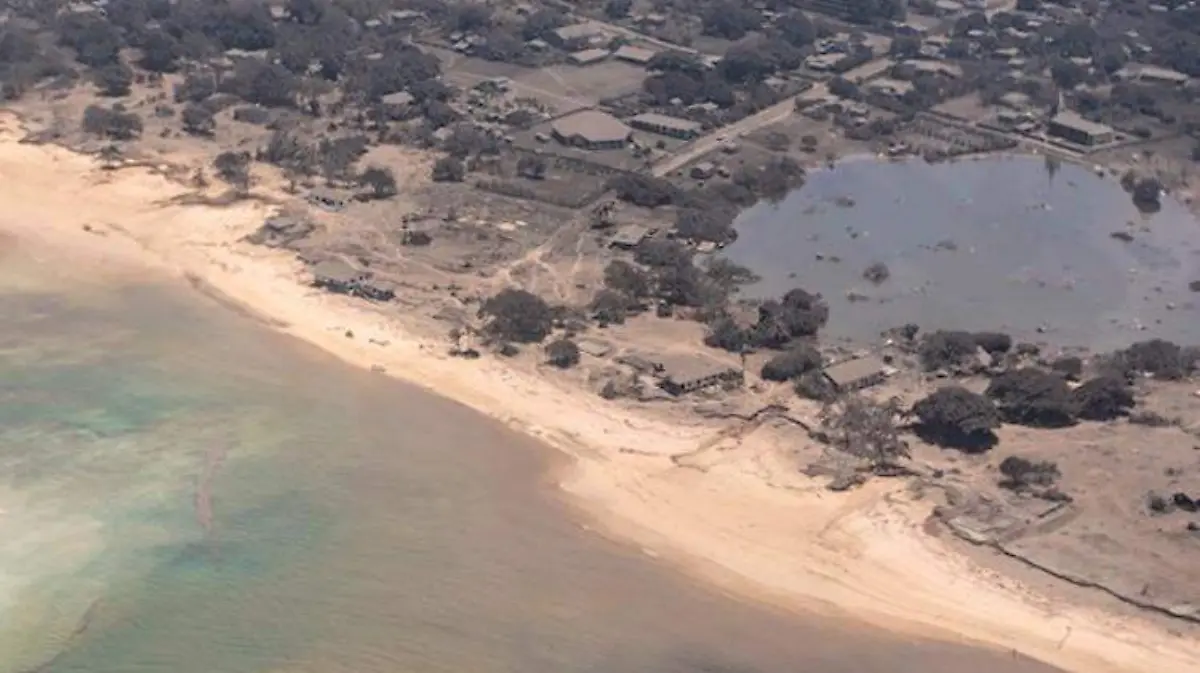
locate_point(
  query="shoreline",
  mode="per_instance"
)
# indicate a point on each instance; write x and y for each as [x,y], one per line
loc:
[861,554]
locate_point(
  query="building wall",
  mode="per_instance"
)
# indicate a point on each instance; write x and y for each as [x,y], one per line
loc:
[1079,136]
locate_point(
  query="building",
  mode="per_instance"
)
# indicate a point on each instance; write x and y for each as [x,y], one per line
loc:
[1152,74]
[687,374]
[328,199]
[575,34]
[336,275]
[885,86]
[856,374]
[917,67]
[1073,128]
[591,129]
[636,55]
[629,236]
[588,56]
[675,127]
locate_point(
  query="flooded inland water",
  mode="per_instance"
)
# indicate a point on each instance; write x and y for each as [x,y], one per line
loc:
[993,243]
[183,491]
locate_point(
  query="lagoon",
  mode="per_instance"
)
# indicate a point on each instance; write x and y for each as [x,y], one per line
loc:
[994,243]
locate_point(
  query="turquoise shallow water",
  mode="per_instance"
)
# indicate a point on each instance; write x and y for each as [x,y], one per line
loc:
[184,491]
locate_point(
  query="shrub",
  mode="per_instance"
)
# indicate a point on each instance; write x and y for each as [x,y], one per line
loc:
[1157,357]
[957,418]
[381,181]
[814,386]
[198,120]
[113,123]
[517,316]
[562,353]
[943,349]
[1020,473]
[1103,398]
[993,342]
[1069,366]
[449,169]
[610,307]
[725,334]
[789,364]
[877,273]
[1032,397]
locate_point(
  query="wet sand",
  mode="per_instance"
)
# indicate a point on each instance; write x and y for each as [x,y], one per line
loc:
[862,554]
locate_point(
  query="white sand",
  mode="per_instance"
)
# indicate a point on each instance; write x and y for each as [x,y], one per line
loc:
[861,553]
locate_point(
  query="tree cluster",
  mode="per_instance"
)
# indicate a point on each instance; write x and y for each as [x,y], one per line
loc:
[792,363]
[114,123]
[1033,397]
[517,316]
[955,417]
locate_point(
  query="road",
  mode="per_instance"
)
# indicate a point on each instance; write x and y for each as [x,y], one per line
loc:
[712,141]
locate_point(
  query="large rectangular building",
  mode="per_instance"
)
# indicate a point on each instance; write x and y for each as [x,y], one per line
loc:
[684,129]
[1073,128]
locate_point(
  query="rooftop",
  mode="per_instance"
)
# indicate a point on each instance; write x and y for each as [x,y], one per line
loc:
[337,271]
[578,31]
[589,55]
[635,54]
[1072,120]
[665,121]
[591,125]
[682,368]
[850,371]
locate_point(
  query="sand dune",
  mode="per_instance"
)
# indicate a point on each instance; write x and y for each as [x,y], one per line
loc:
[860,554]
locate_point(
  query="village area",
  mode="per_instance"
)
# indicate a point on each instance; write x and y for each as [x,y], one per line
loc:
[552,183]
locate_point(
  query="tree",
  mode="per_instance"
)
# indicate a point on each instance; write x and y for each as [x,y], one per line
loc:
[160,52]
[262,82]
[1021,474]
[724,333]
[643,190]
[1069,367]
[1157,357]
[866,429]
[797,360]
[610,307]
[1147,193]
[993,342]
[380,180]
[113,123]
[796,28]
[562,353]
[198,120]
[659,252]
[627,279]
[617,9]
[1033,397]
[449,169]
[114,80]
[196,87]
[517,316]
[943,349]
[729,20]
[1103,398]
[234,168]
[955,417]
[710,224]
[532,167]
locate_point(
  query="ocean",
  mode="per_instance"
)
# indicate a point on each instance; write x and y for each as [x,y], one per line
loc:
[183,490]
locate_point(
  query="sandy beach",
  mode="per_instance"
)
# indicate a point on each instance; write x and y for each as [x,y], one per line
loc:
[752,526]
